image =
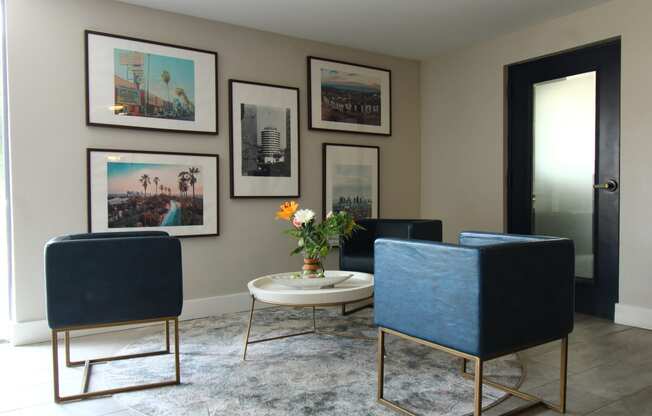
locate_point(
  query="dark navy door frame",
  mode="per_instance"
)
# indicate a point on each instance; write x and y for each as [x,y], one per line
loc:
[599,295]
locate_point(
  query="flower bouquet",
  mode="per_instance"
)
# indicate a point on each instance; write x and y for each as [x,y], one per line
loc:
[313,239]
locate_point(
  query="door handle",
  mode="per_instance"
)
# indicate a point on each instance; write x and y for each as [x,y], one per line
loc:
[611,186]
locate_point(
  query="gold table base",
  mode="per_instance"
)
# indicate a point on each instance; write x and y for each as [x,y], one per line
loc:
[314,329]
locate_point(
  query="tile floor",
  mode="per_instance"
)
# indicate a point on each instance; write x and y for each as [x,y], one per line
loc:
[610,374]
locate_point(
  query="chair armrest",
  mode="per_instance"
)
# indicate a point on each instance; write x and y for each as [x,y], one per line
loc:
[102,280]
[426,230]
[528,293]
[482,238]
[430,291]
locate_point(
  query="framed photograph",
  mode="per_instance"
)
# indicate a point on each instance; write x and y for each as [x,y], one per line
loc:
[130,190]
[348,97]
[351,180]
[264,140]
[141,84]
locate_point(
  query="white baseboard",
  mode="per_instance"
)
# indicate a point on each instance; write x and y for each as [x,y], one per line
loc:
[23,333]
[633,316]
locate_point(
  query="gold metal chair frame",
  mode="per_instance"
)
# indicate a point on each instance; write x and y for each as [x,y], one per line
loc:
[476,376]
[88,364]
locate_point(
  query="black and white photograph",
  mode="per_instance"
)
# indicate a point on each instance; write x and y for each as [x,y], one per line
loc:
[264,140]
[348,97]
[350,180]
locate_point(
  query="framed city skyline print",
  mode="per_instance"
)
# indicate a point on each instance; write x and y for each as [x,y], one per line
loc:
[348,97]
[351,180]
[131,190]
[264,140]
[136,83]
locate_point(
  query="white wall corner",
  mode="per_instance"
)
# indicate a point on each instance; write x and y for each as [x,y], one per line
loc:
[23,333]
[633,316]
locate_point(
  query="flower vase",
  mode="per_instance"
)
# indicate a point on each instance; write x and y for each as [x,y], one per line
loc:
[312,268]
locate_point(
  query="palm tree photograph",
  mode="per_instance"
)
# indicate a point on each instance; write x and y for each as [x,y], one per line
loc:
[154,195]
[152,85]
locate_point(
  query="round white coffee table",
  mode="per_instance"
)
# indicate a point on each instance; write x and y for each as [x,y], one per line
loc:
[359,287]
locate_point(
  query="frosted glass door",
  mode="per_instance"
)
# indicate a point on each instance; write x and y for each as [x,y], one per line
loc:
[564,163]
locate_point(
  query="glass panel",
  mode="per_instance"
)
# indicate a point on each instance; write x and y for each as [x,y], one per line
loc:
[564,163]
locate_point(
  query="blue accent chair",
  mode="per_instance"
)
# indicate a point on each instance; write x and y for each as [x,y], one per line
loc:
[357,251]
[108,279]
[490,296]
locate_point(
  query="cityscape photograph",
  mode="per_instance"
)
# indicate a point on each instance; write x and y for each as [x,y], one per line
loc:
[153,195]
[350,98]
[151,85]
[352,190]
[266,140]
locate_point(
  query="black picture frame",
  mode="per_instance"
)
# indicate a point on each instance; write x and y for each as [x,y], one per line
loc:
[310,93]
[90,151]
[89,122]
[233,194]
[325,173]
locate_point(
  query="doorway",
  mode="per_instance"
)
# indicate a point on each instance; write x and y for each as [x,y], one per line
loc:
[563,173]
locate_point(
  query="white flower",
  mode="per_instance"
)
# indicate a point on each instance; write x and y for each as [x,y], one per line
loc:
[330,214]
[303,216]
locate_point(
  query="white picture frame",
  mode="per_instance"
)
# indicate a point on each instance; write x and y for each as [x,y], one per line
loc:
[264,140]
[351,180]
[142,84]
[348,97]
[180,195]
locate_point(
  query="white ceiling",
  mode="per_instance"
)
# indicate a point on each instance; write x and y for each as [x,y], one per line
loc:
[406,28]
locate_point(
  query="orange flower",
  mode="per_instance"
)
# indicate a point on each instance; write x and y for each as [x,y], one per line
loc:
[287,210]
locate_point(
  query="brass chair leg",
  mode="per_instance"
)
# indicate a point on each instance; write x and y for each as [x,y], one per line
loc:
[66,340]
[55,365]
[533,400]
[380,364]
[90,362]
[563,373]
[477,401]
[177,360]
[477,377]
[167,336]
[86,378]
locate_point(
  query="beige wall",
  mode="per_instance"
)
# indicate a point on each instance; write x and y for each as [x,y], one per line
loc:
[49,138]
[462,160]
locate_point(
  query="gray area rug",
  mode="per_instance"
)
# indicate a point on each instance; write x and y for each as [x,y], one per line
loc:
[307,375]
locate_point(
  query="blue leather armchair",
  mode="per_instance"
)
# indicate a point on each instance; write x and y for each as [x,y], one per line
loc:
[357,252]
[489,296]
[107,279]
